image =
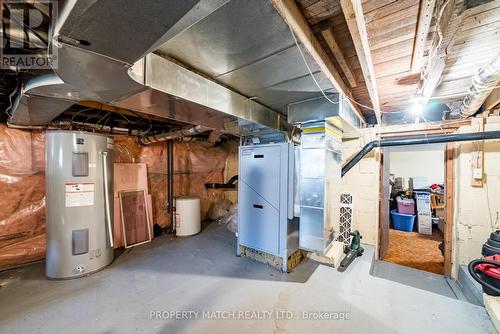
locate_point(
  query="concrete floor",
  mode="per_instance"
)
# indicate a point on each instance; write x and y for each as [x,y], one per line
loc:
[202,273]
[415,278]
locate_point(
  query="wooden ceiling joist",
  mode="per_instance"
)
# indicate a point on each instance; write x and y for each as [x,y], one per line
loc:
[354,16]
[492,101]
[295,19]
[450,21]
[424,24]
[337,52]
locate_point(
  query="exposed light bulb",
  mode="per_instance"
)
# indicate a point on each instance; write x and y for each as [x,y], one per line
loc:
[417,108]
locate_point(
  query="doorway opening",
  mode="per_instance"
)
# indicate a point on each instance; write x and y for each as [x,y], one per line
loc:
[413,230]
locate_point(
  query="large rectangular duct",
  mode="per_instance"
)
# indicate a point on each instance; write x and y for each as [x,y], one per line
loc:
[102,57]
[173,92]
[319,184]
[318,109]
[324,123]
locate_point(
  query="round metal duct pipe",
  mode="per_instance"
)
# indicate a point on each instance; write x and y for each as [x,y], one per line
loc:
[483,82]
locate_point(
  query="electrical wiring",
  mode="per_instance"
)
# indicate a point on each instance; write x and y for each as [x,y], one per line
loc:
[438,123]
[77,113]
[92,116]
[150,127]
[7,111]
[105,122]
[103,117]
[128,120]
[309,69]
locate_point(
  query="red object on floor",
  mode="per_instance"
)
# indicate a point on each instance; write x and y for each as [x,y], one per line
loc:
[490,269]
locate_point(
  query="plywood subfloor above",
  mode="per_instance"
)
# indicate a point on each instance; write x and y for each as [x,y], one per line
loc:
[391,28]
[476,44]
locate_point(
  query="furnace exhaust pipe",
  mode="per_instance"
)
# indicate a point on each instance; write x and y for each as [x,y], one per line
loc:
[418,140]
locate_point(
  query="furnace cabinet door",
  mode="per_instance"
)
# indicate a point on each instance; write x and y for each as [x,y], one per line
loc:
[259,197]
[259,228]
[260,170]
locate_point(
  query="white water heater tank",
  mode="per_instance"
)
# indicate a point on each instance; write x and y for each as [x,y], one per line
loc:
[187,215]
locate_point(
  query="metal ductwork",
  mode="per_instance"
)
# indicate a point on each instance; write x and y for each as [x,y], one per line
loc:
[418,140]
[483,82]
[107,58]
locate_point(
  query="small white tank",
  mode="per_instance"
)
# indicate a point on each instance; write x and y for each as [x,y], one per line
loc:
[187,215]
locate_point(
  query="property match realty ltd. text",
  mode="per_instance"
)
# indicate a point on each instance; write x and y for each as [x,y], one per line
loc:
[248,315]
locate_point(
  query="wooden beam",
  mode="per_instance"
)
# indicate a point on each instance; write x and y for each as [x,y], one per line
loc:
[337,52]
[295,19]
[451,19]
[449,189]
[492,100]
[354,16]
[423,26]
[439,127]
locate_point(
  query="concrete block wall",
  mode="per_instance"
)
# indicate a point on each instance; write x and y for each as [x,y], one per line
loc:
[362,181]
[476,208]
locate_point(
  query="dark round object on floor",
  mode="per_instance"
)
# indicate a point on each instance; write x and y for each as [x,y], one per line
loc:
[487,273]
[157,230]
[492,245]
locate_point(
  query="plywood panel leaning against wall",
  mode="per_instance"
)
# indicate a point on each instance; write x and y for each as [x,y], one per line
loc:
[195,163]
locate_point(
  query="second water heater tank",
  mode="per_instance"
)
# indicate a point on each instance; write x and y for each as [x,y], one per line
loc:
[187,215]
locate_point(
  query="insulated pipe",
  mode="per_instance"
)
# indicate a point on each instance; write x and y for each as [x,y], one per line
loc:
[483,82]
[170,183]
[418,140]
[26,127]
[175,134]
[84,126]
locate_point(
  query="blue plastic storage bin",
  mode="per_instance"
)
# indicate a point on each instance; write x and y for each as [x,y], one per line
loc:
[402,222]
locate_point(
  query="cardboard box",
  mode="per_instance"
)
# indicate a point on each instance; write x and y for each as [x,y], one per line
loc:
[418,183]
[440,213]
[399,184]
[424,223]
[423,201]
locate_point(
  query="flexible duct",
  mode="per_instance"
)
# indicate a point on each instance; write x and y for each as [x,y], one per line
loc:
[483,82]
[418,140]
